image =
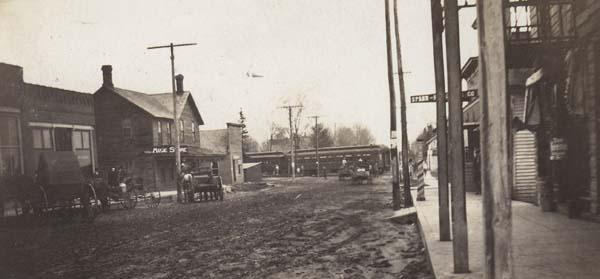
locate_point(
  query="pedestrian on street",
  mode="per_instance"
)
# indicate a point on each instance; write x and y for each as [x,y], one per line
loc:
[276,169]
[113,177]
[477,170]
[325,172]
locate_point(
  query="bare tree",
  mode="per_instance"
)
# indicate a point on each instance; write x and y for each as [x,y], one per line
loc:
[363,135]
[357,135]
[344,136]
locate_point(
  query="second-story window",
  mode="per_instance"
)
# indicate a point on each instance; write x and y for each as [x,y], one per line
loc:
[193,132]
[181,131]
[127,129]
[159,133]
[169,136]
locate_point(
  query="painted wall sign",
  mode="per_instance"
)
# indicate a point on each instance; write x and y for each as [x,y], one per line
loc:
[168,149]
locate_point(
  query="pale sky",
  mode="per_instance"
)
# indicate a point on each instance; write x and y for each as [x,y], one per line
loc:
[331,52]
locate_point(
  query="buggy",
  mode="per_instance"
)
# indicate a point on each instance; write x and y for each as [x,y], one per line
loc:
[202,184]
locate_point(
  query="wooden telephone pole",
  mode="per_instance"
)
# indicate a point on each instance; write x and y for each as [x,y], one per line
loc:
[460,243]
[175,115]
[292,139]
[437,26]
[393,129]
[316,117]
[495,142]
[405,173]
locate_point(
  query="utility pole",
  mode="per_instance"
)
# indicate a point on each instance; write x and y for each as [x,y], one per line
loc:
[437,25]
[460,243]
[292,136]
[175,115]
[393,129]
[316,117]
[495,141]
[405,173]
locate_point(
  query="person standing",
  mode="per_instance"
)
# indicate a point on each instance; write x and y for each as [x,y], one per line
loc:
[276,169]
[324,171]
[113,177]
[477,169]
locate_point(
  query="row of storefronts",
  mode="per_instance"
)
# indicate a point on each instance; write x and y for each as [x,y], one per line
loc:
[112,128]
[553,59]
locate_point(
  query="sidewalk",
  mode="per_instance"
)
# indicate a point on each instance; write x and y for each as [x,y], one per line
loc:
[545,245]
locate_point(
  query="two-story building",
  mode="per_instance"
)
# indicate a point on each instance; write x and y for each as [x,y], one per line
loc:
[36,119]
[135,131]
[11,92]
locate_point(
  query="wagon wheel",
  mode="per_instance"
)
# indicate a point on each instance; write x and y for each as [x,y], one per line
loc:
[93,207]
[130,199]
[153,199]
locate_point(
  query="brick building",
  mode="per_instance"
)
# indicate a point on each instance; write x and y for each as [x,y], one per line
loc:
[135,131]
[36,119]
[11,92]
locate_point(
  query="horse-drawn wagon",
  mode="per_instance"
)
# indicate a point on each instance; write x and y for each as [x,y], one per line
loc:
[202,184]
[58,189]
[127,191]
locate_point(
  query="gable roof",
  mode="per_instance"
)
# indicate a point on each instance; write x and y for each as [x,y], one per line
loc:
[158,105]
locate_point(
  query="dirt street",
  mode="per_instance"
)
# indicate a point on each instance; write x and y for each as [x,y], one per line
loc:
[312,228]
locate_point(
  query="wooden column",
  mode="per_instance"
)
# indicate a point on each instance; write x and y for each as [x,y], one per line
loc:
[495,129]
[442,144]
[455,132]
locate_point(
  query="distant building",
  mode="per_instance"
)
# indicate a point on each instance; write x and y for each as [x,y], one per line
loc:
[225,146]
[253,172]
[135,131]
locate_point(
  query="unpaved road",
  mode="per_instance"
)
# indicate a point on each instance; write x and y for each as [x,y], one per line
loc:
[312,228]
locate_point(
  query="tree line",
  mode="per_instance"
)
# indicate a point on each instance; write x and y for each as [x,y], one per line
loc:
[305,136]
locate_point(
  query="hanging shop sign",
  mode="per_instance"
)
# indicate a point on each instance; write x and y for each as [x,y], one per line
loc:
[558,149]
[166,149]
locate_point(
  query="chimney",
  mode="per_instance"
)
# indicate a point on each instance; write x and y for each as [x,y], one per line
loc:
[107,76]
[179,83]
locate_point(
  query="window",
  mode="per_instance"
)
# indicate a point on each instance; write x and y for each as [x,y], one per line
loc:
[10,158]
[77,141]
[63,139]
[127,129]
[85,137]
[81,139]
[169,136]
[159,132]
[42,138]
[181,131]
[193,132]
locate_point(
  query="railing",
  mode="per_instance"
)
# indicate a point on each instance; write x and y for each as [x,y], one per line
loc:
[540,21]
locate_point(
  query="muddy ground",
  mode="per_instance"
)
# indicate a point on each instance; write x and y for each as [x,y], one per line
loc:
[312,228]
